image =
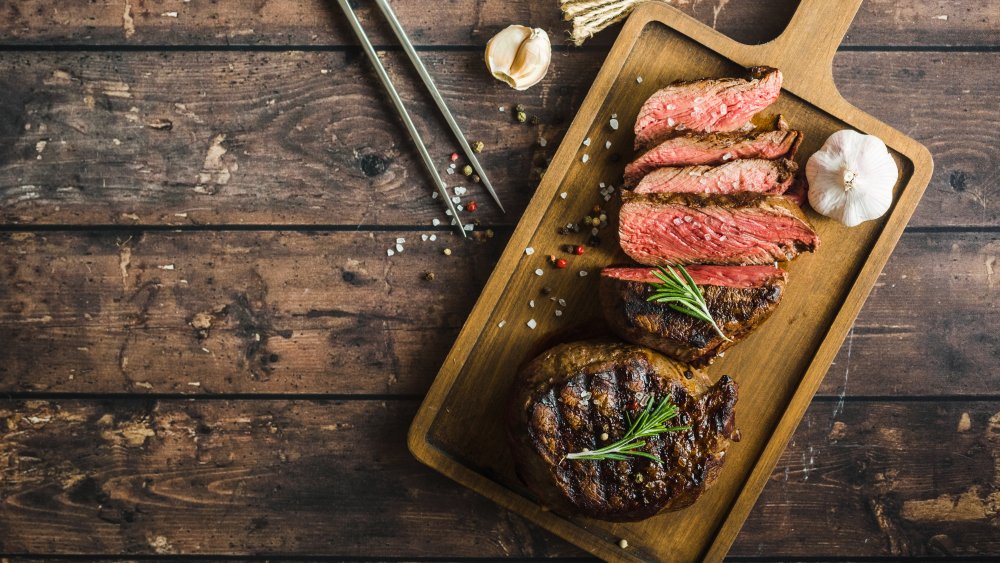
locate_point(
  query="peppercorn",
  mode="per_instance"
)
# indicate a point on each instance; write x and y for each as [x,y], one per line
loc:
[447,252]
[522,117]
[519,108]
[467,170]
[563,231]
[578,250]
[489,233]
[534,120]
[546,290]
[429,276]
[454,156]
[476,178]
[472,207]
[560,263]
[478,146]
[597,210]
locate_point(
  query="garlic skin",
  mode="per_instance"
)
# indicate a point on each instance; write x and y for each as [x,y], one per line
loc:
[519,56]
[851,178]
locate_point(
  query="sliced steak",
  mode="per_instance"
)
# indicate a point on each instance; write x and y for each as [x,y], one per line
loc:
[714,104]
[744,228]
[569,397]
[746,175]
[739,298]
[713,148]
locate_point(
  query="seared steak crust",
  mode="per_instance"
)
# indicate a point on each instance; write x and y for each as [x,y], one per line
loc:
[737,310]
[569,396]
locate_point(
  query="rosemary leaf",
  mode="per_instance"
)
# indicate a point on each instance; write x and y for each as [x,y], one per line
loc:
[649,423]
[682,295]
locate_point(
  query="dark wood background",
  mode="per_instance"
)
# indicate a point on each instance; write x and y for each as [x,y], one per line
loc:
[205,351]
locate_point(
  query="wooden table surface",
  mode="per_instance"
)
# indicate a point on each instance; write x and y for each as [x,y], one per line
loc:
[205,351]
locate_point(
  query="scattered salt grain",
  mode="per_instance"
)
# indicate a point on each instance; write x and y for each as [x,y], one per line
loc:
[614,124]
[677,221]
[670,121]
[563,195]
[542,142]
[607,144]
[532,324]
[423,238]
[688,219]
[942,17]
[501,324]
[433,237]
[562,302]
[583,273]
[501,108]
[727,156]
[529,251]
[390,252]
[671,106]
[531,303]
[456,199]
[450,171]
[459,190]
[558,313]
[399,248]
[435,222]
[459,207]
[539,272]
[169,14]
[434,195]
[447,212]
[614,116]
[595,231]
[638,80]
[585,158]
[400,240]
[166,267]
[469,227]
[602,185]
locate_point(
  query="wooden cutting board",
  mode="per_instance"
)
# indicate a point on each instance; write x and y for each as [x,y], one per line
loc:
[459,430]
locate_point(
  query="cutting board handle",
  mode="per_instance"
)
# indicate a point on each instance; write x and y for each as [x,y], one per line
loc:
[804,51]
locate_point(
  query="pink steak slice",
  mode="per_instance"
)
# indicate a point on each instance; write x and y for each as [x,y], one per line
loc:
[746,175]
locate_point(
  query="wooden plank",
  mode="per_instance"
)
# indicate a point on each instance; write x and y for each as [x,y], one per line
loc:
[361,322]
[333,478]
[342,159]
[452,22]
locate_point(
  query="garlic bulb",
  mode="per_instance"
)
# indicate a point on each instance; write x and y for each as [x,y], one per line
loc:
[851,178]
[519,56]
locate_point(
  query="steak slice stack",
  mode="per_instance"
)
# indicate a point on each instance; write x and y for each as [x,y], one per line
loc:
[582,395]
[713,148]
[663,229]
[739,298]
[745,175]
[709,105]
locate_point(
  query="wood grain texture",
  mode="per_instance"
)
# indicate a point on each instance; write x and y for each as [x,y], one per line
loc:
[268,138]
[336,315]
[143,477]
[452,22]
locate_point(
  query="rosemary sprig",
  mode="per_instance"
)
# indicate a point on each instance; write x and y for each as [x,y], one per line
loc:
[649,423]
[682,295]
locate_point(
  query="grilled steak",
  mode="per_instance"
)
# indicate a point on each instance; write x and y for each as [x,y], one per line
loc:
[739,298]
[723,104]
[744,228]
[570,396]
[713,148]
[745,175]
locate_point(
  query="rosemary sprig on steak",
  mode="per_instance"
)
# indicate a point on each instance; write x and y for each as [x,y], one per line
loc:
[682,295]
[649,423]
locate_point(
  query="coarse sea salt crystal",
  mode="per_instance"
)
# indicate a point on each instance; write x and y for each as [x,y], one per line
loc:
[531,303]
[399,248]
[447,212]
[456,199]
[670,121]
[585,158]
[400,240]
[435,222]
[450,171]
[501,108]
[423,238]
[638,80]
[433,237]
[558,313]
[671,106]
[469,226]
[539,272]
[563,195]
[501,324]
[613,123]
[459,190]
[390,252]
[532,324]
[583,273]
[586,142]
[434,195]
[542,142]
[529,251]
[677,221]
[459,207]
[562,302]
[602,184]
[727,156]
[607,144]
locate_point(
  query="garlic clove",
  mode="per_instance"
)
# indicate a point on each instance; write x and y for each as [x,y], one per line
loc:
[519,56]
[851,178]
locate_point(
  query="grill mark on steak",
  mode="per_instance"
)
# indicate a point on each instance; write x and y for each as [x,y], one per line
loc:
[748,175]
[713,148]
[742,228]
[738,311]
[620,379]
[723,104]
